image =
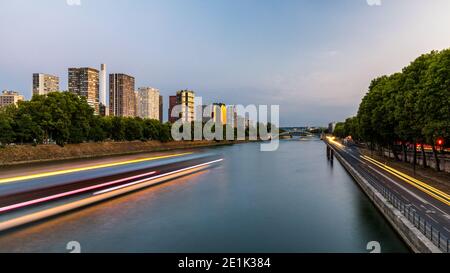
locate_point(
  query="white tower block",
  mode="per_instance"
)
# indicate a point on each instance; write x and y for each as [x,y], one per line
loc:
[103,85]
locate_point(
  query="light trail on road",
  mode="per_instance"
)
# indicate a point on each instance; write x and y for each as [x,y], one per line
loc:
[433,192]
[422,199]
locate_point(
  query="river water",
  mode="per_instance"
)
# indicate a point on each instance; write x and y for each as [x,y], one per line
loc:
[289,201]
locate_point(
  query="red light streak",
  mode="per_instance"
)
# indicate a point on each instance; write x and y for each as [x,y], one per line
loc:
[155,177]
[69,193]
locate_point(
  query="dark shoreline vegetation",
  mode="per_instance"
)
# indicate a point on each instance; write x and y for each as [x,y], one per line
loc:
[406,111]
[64,118]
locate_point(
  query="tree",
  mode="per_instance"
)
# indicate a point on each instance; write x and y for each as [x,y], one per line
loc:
[411,107]
[367,118]
[7,134]
[165,133]
[151,129]
[117,129]
[82,116]
[433,102]
[339,130]
[132,129]
[6,131]
[96,129]
[63,117]
[107,127]
[27,130]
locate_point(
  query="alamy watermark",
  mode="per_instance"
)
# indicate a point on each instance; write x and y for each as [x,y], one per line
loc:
[374,247]
[231,123]
[73,247]
[73,2]
[374,2]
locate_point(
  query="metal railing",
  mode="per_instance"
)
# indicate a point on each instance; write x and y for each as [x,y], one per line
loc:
[431,232]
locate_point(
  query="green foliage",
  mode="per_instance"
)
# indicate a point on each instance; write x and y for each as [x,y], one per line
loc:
[339,130]
[6,131]
[132,129]
[97,130]
[409,107]
[165,134]
[63,118]
[151,129]
[117,129]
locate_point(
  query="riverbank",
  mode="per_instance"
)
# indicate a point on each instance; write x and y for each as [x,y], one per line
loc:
[26,154]
[412,236]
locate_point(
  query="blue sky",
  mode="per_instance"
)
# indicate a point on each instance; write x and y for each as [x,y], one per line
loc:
[314,58]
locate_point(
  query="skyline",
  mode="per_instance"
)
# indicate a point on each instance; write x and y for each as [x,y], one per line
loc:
[315,60]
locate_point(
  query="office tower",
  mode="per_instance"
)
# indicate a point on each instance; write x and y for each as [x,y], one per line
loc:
[135,104]
[172,104]
[241,121]
[104,107]
[161,108]
[85,82]
[205,112]
[44,84]
[122,97]
[103,84]
[219,113]
[10,98]
[331,127]
[232,115]
[148,103]
[185,98]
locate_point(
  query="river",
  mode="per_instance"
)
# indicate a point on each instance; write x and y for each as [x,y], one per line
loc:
[289,201]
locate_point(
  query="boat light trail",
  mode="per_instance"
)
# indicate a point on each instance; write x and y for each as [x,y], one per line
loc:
[89,168]
[69,193]
[157,176]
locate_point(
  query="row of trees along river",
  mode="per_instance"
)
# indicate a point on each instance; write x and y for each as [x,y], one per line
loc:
[63,117]
[407,109]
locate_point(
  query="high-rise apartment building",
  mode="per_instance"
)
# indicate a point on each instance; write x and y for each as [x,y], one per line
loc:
[85,82]
[232,114]
[44,84]
[10,98]
[204,113]
[161,108]
[104,107]
[135,104]
[219,113]
[185,98]
[331,127]
[103,84]
[122,97]
[172,103]
[147,103]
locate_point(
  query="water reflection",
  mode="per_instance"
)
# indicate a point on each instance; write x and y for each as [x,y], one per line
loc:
[291,200]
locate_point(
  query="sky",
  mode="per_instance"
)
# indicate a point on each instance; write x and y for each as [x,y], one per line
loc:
[314,58]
